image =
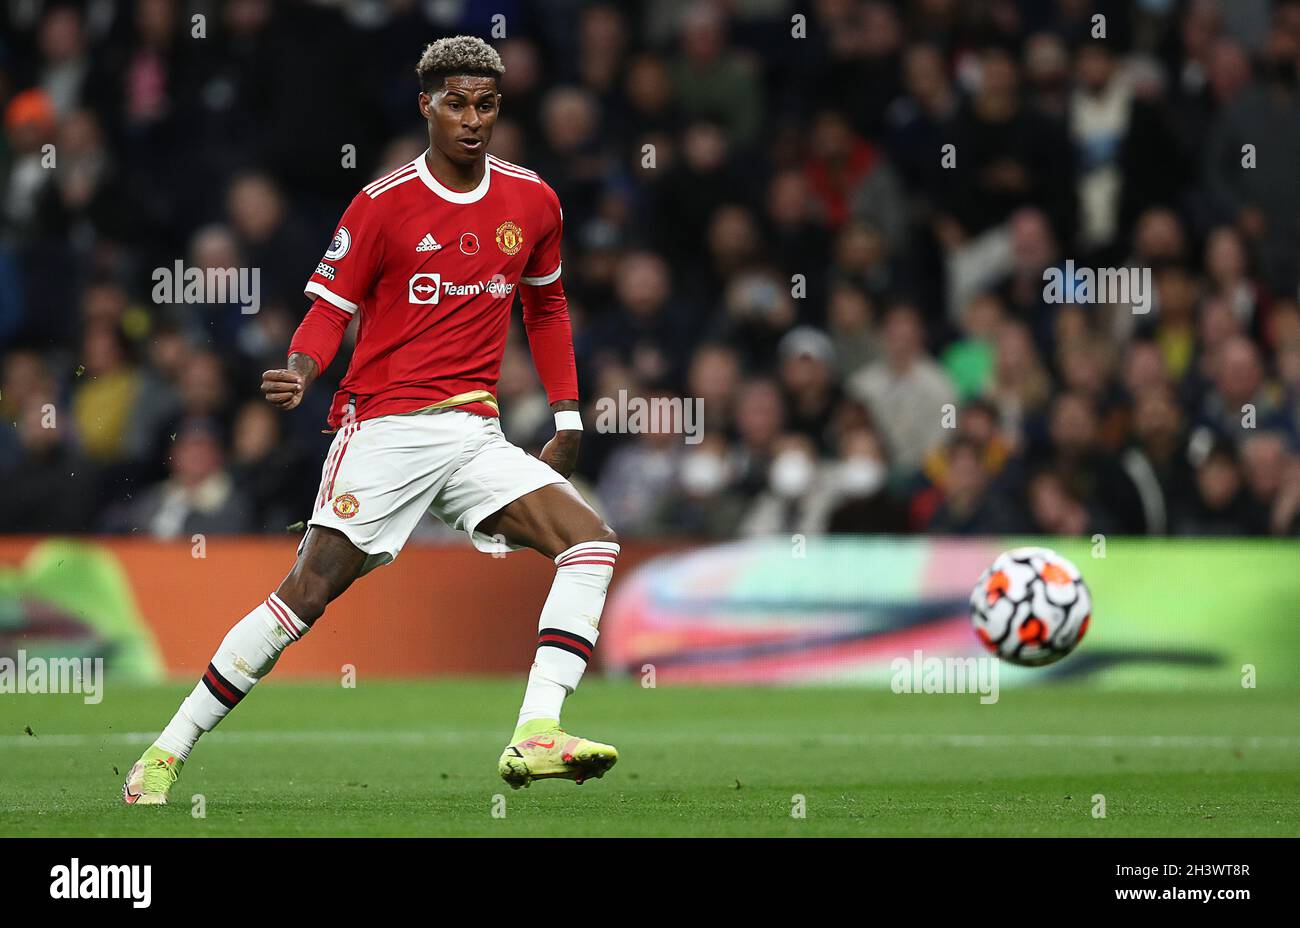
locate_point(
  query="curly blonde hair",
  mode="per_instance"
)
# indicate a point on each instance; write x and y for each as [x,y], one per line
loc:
[457,54]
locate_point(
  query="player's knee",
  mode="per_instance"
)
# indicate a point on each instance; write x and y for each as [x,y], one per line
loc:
[601,532]
[307,594]
[562,541]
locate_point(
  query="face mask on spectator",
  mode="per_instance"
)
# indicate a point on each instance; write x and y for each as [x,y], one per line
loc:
[791,474]
[703,474]
[859,477]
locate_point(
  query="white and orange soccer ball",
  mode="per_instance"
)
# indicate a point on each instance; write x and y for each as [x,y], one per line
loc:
[1031,607]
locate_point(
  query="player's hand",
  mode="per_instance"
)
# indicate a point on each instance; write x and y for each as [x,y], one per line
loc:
[283,389]
[561,452]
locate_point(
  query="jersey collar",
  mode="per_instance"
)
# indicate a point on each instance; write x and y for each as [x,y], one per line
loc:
[453,196]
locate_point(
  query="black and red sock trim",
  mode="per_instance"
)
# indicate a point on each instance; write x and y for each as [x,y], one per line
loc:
[222,690]
[565,641]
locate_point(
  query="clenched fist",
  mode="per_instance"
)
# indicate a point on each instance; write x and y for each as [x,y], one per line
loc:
[283,388]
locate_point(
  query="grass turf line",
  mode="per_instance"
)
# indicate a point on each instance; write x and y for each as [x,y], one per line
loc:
[420,759]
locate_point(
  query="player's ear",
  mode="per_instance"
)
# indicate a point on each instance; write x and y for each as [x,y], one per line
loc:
[426,103]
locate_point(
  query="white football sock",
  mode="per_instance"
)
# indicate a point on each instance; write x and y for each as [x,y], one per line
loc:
[246,654]
[568,631]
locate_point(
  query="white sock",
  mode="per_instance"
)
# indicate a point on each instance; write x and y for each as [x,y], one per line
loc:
[246,654]
[568,630]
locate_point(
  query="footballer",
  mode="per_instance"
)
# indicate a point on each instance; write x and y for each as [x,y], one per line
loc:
[429,257]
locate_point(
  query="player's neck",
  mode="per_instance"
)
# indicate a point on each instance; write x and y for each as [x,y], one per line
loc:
[459,177]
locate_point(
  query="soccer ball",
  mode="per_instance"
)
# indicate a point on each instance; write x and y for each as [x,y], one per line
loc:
[1031,607]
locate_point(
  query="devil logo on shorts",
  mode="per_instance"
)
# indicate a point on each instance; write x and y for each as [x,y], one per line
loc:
[346,506]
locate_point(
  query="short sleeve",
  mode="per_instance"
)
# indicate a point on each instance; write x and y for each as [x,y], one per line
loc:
[544,261]
[351,263]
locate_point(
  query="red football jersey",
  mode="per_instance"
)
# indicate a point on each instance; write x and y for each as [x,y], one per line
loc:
[433,273]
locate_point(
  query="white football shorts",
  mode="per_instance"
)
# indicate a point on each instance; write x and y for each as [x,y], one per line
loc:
[381,475]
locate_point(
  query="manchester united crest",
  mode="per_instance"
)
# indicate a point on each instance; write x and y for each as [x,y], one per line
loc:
[510,238]
[346,506]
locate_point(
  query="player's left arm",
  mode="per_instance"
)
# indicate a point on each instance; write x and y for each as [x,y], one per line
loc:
[550,339]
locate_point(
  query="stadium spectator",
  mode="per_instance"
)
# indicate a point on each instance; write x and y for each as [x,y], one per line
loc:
[1240,398]
[1055,510]
[797,499]
[917,119]
[714,379]
[58,483]
[968,505]
[266,465]
[198,497]
[808,378]
[1158,476]
[103,400]
[1264,201]
[860,478]
[703,501]
[796,237]
[29,126]
[1016,157]
[851,317]
[1266,467]
[1219,505]
[760,420]
[712,80]
[1020,385]
[969,360]
[848,176]
[906,391]
[638,476]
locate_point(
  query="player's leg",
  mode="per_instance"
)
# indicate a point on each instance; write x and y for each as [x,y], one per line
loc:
[557,522]
[326,566]
[551,520]
[376,484]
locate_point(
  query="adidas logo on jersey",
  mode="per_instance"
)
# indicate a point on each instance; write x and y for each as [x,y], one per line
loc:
[427,243]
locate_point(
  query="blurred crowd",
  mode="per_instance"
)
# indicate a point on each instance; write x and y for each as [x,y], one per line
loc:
[832,229]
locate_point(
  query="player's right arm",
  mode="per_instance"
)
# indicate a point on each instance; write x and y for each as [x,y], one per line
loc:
[284,387]
[341,280]
[313,348]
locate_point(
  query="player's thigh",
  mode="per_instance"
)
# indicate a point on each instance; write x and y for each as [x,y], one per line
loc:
[327,565]
[550,519]
[381,478]
[503,495]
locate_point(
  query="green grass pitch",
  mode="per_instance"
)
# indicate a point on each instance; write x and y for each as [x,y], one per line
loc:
[420,759]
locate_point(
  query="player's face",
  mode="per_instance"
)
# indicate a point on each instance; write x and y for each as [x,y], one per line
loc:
[461,116]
